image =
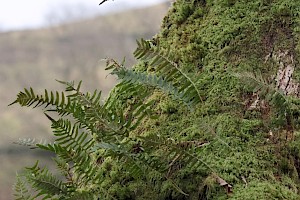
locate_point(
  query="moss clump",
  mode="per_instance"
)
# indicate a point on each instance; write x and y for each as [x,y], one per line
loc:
[264,190]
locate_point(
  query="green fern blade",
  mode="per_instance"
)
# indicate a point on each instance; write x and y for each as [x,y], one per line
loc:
[44,183]
[163,65]
[29,99]
[21,192]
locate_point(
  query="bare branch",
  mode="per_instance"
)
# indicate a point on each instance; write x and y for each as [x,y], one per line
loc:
[102,2]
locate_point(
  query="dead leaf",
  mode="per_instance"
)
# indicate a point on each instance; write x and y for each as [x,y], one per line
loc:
[224,184]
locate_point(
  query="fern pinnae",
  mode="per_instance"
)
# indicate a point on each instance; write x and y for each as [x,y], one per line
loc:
[21,191]
[258,84]
[154,81]
[69,135]
[65,169]
[155,141]
[30,142]
[162,63]
[44,182]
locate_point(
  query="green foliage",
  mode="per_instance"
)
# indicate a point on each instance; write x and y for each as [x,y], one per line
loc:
[284,107]
[21,190]
[88,131]
[73,146]
[139,143]
[168,77]
[264,191]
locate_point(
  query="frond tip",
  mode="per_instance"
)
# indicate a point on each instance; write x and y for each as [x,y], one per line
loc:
[29,98]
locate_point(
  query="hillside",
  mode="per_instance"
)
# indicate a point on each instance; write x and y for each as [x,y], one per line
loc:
[67,52]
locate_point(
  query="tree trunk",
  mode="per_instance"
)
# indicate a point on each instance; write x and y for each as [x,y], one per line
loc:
[249,147]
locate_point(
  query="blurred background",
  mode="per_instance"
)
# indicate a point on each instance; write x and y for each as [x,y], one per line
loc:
[41,41]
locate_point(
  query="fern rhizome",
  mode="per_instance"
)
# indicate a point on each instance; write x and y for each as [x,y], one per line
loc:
[188,121]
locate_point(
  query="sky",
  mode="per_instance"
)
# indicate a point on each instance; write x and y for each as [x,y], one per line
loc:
[27,14]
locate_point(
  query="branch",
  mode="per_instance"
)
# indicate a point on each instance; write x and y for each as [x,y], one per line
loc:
[102,2]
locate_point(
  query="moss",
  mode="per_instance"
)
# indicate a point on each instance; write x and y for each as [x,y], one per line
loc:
[210,40]
[263,190]
[223,36]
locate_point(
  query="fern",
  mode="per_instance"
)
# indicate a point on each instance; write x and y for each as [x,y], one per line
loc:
[168,76]
[169,70]
[276,98]
[87,128]
[75,140]
[152,81]
[21,190]
[264,88]
[29,98]
[70,137]
[44,183]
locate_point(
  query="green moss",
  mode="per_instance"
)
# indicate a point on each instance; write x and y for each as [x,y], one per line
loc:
[263,190]
[210,40]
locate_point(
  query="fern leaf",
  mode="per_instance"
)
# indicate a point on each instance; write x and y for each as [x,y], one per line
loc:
[168,76]
[21,192]
[266,90]
[70,137]
[166,68]
[84,169]
[44,183]
[152,80]
[29,98]
[29,142]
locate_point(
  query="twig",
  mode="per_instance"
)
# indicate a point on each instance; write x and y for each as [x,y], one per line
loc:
[102,2]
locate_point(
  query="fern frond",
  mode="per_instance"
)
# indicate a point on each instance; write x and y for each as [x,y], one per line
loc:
[61,102]
[154,81]
[109,120]
[284,106]
[84,168]
[21,192]
[168,70]
[29,142]
[266,90]
[82,164]
[70,137]
[29,98]
[44,183]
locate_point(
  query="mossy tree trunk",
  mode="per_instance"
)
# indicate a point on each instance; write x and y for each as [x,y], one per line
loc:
[235,62]
[251,146]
